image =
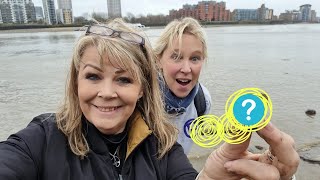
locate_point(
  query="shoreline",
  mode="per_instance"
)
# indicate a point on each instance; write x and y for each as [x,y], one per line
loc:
[35,30]
[76,28]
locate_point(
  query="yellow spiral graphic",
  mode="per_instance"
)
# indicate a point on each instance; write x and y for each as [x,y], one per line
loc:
[210,130]
[206,131]
[232,134]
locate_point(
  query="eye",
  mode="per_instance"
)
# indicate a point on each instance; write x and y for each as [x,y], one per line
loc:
[125,80]
[174,56]
[92,77]
[195,58]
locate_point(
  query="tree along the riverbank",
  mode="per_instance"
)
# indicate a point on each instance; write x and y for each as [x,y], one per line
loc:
[149,20]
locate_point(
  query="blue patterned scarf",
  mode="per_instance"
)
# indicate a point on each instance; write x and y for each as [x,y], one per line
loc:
[174,104]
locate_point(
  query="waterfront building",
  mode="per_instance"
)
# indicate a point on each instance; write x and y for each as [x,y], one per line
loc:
[39,13]
[64,12]
[17,11]
[114,8]
[5,10]
[245,15]
[203,11]
[290,16]
[0,17]
[49,11]
[274,17]
[269,14]
[264,13]
[305,12]
[313,16]
[30,11]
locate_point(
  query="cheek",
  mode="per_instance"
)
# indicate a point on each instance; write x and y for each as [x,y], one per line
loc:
[196,70]
[81,89]
[85,91]
[129,95]
[170,69]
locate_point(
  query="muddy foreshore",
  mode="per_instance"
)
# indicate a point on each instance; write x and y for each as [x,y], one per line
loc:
[309,160]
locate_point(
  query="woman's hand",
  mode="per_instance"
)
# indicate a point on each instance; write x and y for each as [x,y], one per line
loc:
[281,153]
[233,161]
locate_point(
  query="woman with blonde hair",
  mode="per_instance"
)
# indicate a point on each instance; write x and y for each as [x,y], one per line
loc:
[111,124]
[181,52]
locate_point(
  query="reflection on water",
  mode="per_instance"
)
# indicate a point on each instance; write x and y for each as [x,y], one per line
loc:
[283,60]
[55,39]
[36,44]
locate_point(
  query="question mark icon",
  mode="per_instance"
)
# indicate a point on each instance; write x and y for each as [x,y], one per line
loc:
[253,105]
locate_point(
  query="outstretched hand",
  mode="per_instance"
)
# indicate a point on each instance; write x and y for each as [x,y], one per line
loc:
[233,161]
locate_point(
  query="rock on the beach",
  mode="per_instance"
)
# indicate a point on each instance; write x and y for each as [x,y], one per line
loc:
[311,112]
[310,153]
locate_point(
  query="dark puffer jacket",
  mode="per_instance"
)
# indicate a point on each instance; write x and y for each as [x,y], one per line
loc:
[41,151]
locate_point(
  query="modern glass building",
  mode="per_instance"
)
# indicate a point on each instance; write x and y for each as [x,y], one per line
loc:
[30,11]
[5,10]
[114,8]
[64,12]
[17,11]
[305,12]
[39,13]
[0,17]
[49,11]
[245,14]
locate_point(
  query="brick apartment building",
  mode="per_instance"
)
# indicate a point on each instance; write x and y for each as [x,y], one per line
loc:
[203,11]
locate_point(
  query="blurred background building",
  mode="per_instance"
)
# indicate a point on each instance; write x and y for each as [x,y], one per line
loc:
[305,12]
[245,14]
[203,11]
[114,8]
[17,11]
[39,13]
[49,11]
[64,12]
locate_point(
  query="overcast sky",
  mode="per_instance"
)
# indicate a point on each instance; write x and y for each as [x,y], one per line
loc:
[145,7]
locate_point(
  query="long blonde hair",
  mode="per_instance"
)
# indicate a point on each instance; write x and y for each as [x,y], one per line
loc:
[141,65]
[175,29]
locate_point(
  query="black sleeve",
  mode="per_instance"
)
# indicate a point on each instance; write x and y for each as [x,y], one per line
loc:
[20,154]
[179,167]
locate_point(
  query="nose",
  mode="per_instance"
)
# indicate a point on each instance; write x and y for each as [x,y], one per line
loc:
[107,90]
[185,66]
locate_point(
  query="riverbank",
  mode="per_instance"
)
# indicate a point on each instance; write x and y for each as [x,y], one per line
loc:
[57,29]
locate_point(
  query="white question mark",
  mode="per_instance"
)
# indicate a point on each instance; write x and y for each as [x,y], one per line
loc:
[253,105]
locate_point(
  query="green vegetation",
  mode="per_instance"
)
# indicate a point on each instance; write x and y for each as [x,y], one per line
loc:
[149,21]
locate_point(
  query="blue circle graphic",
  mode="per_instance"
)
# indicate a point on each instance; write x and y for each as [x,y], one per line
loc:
[186,127]
[248,109]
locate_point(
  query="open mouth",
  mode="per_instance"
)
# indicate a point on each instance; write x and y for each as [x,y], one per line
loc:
[183,82]
[107,109]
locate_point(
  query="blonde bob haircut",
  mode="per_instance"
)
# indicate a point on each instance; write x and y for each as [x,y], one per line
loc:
[131,58]
[174,30]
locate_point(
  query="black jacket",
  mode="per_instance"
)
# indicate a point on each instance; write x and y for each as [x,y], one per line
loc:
[41,152]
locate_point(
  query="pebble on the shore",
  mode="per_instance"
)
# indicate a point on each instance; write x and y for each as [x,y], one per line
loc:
[310,112]
[310,153]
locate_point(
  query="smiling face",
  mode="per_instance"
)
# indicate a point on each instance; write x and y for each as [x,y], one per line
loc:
[107,94]
[181,67]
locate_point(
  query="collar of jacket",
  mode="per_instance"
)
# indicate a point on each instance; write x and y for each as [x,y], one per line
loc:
[138,131]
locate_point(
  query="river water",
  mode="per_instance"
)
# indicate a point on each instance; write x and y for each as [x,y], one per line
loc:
[283,60]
